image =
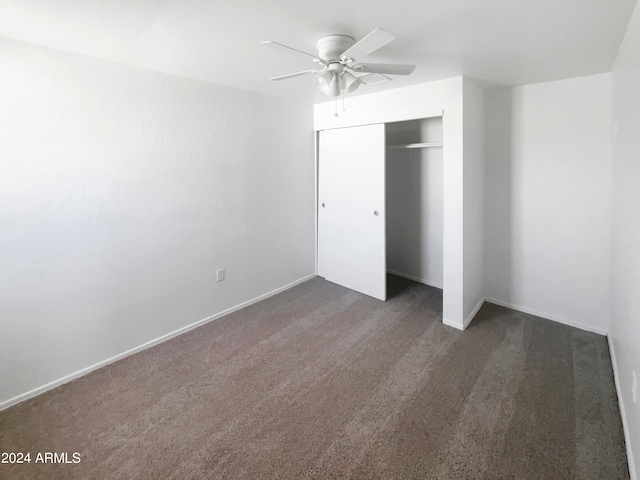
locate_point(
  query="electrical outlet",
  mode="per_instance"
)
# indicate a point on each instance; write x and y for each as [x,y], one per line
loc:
[634,387]
[220,275]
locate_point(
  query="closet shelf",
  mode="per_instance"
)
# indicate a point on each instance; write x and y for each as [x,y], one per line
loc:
[414,145]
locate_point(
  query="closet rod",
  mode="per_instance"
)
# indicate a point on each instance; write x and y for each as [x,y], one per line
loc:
[415,145]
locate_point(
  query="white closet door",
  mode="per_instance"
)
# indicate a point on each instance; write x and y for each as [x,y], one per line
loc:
[351,217]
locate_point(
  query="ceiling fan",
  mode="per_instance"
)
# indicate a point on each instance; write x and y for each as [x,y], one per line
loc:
[338,69]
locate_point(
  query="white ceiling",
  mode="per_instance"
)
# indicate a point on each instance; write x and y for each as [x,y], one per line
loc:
[499,42]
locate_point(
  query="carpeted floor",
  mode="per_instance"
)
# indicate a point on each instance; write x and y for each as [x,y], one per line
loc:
[322,382]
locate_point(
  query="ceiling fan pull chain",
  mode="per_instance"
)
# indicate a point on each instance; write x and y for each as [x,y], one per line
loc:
[336,109]
[343,95]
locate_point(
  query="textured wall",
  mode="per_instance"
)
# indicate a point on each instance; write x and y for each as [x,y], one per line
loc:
[474,185]
[625,233]
[122,192]
[548,199]
[414,214]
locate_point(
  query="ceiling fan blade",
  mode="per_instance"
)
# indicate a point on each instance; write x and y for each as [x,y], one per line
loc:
[271,43]
[378,38]
[372,78]
[292,75]
[388,68]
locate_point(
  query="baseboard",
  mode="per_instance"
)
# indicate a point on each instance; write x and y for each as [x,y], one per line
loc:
[462,326]
[547,316]
[415,279]
[472,315]
[623,415]
[56,383]
[451,323]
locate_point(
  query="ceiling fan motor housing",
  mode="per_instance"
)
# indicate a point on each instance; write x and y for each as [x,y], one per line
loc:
[332,46]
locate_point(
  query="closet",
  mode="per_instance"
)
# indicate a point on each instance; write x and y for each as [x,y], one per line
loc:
[380,204]
[415,200]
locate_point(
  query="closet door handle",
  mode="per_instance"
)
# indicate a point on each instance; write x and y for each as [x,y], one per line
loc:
[323,205]
[375,212]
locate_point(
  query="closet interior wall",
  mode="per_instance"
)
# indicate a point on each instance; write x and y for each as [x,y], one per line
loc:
[415,198]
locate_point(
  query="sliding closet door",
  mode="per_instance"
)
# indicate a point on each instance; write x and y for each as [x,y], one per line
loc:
[351,217]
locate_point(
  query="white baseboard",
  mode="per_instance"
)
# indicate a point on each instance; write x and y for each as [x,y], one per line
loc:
[462,326]
[56,383]
[472,315]
[415,279]
[625,424]
[547,316]
[450,323]
[466,321]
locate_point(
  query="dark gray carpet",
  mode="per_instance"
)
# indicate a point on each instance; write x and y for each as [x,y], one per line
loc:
[322,382]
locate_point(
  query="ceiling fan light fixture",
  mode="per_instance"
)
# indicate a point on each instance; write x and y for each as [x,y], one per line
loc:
[322,80]
[351,82]
[334,87]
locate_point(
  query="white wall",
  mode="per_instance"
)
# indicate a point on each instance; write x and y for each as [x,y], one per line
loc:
[415,197]
[624,336]
[395,105]
[548,174]
[474,184]
[498,180]
[122,192]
